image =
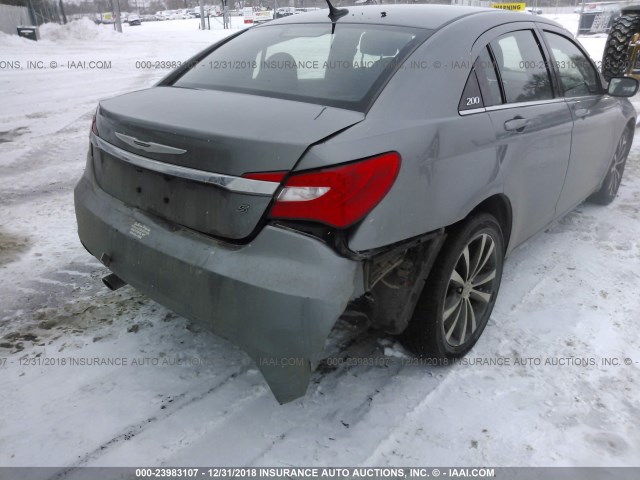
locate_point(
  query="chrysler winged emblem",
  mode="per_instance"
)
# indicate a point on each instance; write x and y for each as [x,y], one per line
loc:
[148,146]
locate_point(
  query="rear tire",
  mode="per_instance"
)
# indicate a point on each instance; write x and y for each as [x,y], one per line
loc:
[614,58]
[611,183]
[460,292]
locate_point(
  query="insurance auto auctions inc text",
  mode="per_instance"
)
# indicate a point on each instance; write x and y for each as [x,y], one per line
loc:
[373,472]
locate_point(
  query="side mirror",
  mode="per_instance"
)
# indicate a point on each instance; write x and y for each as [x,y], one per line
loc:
[623,87]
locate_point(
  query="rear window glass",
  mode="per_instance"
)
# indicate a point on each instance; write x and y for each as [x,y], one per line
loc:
[524,72]
[307,62]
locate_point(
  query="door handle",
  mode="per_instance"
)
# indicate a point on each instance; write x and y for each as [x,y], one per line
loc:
[581,112]
[517,124]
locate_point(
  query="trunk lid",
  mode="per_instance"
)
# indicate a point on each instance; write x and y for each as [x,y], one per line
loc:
[208,131]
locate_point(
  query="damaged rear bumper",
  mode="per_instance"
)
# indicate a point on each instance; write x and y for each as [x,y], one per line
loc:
[277,297]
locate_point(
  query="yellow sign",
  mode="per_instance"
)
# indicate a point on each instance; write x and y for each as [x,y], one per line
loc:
[514,7]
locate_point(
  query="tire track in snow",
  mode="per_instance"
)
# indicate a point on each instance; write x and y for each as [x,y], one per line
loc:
[175,405]
[336,425]
[188,443]
[360,343]
[391,437]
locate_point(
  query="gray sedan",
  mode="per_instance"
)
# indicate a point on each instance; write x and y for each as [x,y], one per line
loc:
[383,159]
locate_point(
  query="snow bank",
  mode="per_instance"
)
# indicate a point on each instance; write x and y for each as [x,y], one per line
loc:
[13,40]
[78,30]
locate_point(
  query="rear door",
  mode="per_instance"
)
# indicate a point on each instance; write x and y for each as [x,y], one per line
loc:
[593,113]
[533,126]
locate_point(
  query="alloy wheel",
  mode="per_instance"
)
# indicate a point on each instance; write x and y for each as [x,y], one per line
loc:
[617,166]
[470,289]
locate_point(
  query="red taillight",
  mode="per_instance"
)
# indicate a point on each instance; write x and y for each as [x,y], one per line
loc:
[338,196]
[266,176]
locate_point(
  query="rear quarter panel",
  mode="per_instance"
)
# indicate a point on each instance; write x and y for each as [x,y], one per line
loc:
[449,162]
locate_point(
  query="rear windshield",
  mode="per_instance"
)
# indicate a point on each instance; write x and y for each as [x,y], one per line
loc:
[307,62]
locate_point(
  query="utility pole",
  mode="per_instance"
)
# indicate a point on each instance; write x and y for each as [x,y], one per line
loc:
[64,16]
[32,13]
[225,15]
[201,14]
[116,7]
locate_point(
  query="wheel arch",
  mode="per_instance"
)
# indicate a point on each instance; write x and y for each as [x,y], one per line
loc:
[499,206]
[496,205]
[631,125]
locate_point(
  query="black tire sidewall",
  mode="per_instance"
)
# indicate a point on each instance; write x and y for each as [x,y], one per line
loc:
[425,335]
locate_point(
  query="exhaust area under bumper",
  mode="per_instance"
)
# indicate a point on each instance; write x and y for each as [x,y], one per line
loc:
[277,298]
[113,282]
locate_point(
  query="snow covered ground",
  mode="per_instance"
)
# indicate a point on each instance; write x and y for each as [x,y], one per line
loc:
[187,397]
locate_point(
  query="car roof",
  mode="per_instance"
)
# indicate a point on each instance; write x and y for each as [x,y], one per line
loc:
[431,17]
